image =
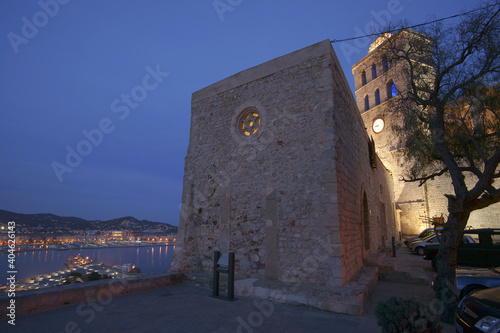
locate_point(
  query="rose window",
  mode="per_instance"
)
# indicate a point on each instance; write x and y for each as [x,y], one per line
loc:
[249,123]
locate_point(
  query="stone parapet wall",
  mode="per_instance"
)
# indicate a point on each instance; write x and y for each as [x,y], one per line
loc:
[99,293]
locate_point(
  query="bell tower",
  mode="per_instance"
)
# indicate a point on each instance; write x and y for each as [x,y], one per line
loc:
[378,80]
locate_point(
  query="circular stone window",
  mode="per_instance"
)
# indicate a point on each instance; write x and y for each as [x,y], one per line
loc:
[249,122]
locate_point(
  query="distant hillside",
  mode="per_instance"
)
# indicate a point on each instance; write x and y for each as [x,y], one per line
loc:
[51,221]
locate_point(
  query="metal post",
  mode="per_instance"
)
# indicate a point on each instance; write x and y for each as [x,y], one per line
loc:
[215,283]
[223,263]
[230,277]
[393,246]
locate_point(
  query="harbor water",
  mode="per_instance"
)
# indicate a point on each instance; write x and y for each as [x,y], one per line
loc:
[150,259]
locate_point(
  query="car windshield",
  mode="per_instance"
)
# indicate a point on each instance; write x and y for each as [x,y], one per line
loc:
[429,232]
[426,233]
[429,237]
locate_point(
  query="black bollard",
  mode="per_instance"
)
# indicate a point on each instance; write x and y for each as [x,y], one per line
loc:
[223,263]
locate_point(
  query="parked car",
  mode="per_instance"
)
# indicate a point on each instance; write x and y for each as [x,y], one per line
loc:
[483,252]
[418,240]
[419,247]
[471,279]
[479,312]
[424,234]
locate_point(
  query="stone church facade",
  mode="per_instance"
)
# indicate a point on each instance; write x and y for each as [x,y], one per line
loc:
[280,171]
[377,80]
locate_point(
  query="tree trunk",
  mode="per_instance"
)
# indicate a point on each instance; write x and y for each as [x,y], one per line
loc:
[445,284]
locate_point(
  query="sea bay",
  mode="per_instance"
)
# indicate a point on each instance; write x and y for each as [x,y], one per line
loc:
[150,259]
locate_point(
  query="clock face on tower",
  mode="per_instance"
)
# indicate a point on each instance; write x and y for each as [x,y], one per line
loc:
[378,125]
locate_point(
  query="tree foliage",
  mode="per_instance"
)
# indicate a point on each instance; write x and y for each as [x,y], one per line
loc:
[449,111]
[450,117]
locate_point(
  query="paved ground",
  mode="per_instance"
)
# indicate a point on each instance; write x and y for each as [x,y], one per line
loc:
[188,308]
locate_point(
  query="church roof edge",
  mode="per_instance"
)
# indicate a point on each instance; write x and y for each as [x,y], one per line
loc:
[264,69]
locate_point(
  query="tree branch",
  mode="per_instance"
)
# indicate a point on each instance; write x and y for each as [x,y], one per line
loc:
[487,199]
[422,180]
[485,180]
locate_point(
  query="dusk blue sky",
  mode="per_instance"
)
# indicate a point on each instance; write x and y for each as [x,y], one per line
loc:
[67,69]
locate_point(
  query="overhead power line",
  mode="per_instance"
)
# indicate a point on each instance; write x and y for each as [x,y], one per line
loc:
[411,27]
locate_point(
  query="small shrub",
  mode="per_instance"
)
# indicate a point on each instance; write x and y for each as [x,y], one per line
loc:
[406,315]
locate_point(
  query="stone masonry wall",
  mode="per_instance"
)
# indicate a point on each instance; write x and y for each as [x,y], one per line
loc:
[484,218]
[293,103]
[275,198]
[356,177]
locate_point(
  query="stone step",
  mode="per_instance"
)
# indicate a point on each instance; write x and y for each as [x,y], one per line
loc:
[352,298]
[387,265]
